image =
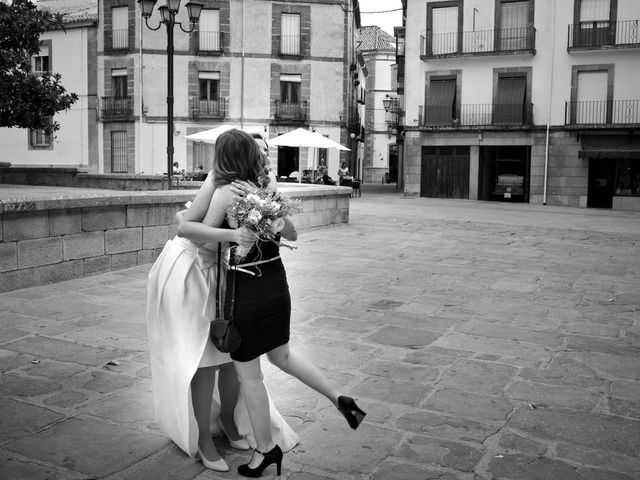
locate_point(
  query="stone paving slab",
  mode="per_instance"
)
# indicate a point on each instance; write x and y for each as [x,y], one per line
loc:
[485,341]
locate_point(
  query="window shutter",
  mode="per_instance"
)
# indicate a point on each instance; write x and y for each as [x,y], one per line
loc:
[120,27]
[290,37]
[290,78]
[591,97]
[440,108]
[209,75]
[594,10]
[444,22]
[209,33]
[509,100]
[441,92]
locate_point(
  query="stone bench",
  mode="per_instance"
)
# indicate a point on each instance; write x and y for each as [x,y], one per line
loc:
[52,234]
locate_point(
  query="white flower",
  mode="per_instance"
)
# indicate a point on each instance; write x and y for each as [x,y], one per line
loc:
[254,217]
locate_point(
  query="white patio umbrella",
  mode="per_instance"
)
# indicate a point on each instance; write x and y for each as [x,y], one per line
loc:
[305,138]
[210,136]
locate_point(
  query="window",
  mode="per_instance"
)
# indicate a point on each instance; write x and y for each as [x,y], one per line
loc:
[119,152]
[594,10]
[39,138]
[290,89]
[120,27]
[40,63]
[119,82]
[514,25]
[508,107]
[444,29]
[591,100]
[594,25]
[209,31]
[441,101]
[209,84]
[290,36]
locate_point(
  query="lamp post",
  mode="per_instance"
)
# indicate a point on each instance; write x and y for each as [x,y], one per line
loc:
[168,14]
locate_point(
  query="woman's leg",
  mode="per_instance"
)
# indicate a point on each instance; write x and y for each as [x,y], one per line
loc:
[229,388]
[255,396]
[296,365]
[202,385]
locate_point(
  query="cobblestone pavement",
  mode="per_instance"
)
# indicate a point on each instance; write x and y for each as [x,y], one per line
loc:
[485,340]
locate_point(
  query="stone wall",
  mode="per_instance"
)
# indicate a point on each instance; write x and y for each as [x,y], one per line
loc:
[47,240]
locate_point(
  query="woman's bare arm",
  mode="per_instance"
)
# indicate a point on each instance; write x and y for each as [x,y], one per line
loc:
[198,208]
[190,221]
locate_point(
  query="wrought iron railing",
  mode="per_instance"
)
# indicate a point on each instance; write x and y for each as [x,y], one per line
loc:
[478,42]
[290,45]
[209,41]
[208,108]
[476,114]
[294,112]
[120,39]
[604,33]
[116,108]
[602,112]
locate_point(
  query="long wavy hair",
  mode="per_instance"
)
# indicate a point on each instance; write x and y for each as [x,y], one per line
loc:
[237,158]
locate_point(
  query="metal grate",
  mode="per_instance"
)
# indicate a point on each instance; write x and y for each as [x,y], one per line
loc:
[119,152]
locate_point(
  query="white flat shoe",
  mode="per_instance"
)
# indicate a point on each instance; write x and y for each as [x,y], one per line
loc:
[240,444]
[219,465]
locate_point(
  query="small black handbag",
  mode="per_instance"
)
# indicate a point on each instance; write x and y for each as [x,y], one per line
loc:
[223,331]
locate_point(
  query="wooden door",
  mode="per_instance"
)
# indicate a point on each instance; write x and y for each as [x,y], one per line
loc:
[445,172]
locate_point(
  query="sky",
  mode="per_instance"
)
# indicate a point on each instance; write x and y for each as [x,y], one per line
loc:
[386,21]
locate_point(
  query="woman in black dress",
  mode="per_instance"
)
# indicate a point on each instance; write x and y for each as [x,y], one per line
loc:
[262,308]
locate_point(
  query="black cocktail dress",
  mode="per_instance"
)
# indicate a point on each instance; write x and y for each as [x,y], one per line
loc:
[262,307]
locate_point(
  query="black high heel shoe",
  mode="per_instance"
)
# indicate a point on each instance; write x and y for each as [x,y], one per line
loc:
[272,456]
[350,411]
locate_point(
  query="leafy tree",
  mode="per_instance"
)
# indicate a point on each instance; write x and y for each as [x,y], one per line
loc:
[28,100]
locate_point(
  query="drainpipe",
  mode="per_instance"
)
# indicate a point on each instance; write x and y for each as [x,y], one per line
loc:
[546,148]
[242,70]
[140,87]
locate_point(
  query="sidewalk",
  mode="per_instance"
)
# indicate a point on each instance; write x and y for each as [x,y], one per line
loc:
[485,340]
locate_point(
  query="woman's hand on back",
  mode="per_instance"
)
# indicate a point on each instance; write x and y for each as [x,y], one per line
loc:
[239,188]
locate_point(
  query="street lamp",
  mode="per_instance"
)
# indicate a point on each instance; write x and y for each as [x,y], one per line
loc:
[168,14]
[392,106]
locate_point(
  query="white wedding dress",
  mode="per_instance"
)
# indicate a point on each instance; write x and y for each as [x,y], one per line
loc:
[180,305]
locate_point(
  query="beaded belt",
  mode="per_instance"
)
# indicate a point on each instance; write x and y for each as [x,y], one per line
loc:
[240,267]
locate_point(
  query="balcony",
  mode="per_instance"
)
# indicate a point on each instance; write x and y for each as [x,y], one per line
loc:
[605,34]
[604,113]
[291,112]
[476,115]
[210,42]
[480,42]
[208,108]
[120,39]
[116,109]
[290,46]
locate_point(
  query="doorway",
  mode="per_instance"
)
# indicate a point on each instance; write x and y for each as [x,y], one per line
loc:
[445,172]
[601,178]
[393,164]
[287,160]
[504,173]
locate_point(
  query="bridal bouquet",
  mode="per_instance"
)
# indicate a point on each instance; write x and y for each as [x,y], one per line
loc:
[261,210]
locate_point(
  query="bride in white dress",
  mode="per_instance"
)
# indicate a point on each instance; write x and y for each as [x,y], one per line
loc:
[189,406]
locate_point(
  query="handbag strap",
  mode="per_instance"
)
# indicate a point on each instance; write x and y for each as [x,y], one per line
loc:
[233,287]
[218,281]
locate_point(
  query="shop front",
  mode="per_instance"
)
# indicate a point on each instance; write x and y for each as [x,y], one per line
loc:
[614,171]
